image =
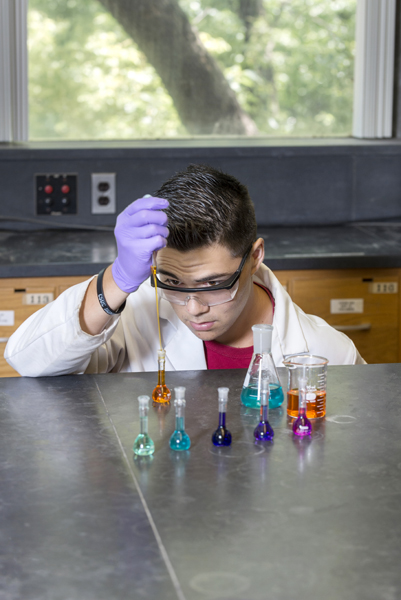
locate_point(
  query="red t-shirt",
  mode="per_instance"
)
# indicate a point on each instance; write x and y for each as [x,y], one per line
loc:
[219,356]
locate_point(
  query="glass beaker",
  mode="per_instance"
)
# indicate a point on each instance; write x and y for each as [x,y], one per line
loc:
[262,367]
[314,369]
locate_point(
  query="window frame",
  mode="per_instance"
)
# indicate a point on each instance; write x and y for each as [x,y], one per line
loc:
[13,71]
[376,103]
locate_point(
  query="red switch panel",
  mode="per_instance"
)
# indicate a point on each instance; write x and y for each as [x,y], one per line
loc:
[56,194]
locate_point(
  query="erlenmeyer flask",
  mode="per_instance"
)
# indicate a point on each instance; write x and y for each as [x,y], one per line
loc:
[261,367]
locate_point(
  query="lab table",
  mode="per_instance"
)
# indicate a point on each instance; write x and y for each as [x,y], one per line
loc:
[81,518]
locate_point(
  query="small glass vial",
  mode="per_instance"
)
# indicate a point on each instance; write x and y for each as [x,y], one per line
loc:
[180,439]
[143,445]
[264,431]
[161,393]
[222,437]
[302,426]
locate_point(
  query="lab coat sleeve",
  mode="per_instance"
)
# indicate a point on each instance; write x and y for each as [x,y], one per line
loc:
[51,341]
[327,341]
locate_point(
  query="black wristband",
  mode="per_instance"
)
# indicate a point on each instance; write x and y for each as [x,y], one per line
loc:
[102,299]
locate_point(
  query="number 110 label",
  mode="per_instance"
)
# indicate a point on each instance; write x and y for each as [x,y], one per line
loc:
[387,287]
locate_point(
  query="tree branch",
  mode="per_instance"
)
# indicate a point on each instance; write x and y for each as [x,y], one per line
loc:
[204,101]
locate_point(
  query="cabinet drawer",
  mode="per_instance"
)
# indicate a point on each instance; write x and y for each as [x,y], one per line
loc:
[369,319]
[19,299]
[16,305]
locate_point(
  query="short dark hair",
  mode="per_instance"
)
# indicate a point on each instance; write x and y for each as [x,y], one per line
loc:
[208,206]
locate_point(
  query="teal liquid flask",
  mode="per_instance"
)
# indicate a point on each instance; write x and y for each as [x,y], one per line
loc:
[143,445]
[262,367]
[180,439]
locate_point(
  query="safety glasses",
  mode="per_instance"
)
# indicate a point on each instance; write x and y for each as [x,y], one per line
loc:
[218,294]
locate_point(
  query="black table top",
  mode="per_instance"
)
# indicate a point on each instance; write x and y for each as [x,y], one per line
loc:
[82,518]
[52,252]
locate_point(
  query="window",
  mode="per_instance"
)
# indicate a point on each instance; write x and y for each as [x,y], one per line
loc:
[173,69]
[190,67]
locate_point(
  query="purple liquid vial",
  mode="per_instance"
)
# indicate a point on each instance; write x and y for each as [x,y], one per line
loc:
[264,431]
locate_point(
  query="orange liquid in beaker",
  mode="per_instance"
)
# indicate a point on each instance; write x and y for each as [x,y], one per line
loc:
[314,409]
[161,393]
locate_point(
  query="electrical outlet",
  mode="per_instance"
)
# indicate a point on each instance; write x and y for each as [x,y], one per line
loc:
[103,193]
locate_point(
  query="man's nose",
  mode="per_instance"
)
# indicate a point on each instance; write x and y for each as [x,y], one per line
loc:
[196,308]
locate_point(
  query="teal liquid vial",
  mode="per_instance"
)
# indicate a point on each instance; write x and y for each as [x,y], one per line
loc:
[143,445]
[180,439]
[262,368]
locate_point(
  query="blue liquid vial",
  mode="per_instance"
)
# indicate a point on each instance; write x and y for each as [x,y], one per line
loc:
[262,367]
[264,431]
[143,445]
[222,437]
[179,439]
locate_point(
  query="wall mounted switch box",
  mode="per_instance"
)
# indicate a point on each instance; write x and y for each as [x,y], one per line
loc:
[56,194]
[103,193]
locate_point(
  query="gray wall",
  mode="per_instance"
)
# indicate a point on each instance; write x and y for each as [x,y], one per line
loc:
[294,182]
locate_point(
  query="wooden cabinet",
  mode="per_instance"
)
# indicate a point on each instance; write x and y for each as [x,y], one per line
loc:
[20,298]
[364,304]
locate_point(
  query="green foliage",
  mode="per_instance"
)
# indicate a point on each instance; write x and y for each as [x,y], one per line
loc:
[292,68]
[290,64]
[87,80]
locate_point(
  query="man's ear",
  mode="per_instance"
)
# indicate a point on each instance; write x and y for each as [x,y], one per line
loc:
[257,254]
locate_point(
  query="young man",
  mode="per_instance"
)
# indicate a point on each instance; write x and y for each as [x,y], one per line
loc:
[213,285]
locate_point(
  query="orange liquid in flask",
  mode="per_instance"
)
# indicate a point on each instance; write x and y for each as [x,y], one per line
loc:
[314,409]
[161,393]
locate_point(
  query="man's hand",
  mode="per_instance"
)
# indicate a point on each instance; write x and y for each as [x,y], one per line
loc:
[140,230]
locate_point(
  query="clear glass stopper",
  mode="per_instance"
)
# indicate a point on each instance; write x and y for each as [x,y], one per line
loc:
[262,338]
[179,393]
[161,357]
[223,398]
[143,401]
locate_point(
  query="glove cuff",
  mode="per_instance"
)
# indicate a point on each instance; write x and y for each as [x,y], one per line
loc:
[120,280]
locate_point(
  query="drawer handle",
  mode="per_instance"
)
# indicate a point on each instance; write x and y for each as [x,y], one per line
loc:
[362,327]
[2,340]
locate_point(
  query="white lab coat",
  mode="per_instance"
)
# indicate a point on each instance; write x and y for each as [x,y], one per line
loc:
[51,341]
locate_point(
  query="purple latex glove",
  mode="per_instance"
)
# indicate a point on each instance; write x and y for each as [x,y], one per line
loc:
[140,230]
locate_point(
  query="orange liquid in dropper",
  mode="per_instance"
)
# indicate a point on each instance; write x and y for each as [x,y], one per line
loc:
[161,393]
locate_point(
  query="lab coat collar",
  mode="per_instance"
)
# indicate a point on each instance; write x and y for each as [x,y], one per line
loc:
[288,337]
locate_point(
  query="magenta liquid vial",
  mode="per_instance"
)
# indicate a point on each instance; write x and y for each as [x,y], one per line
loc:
[302,426]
